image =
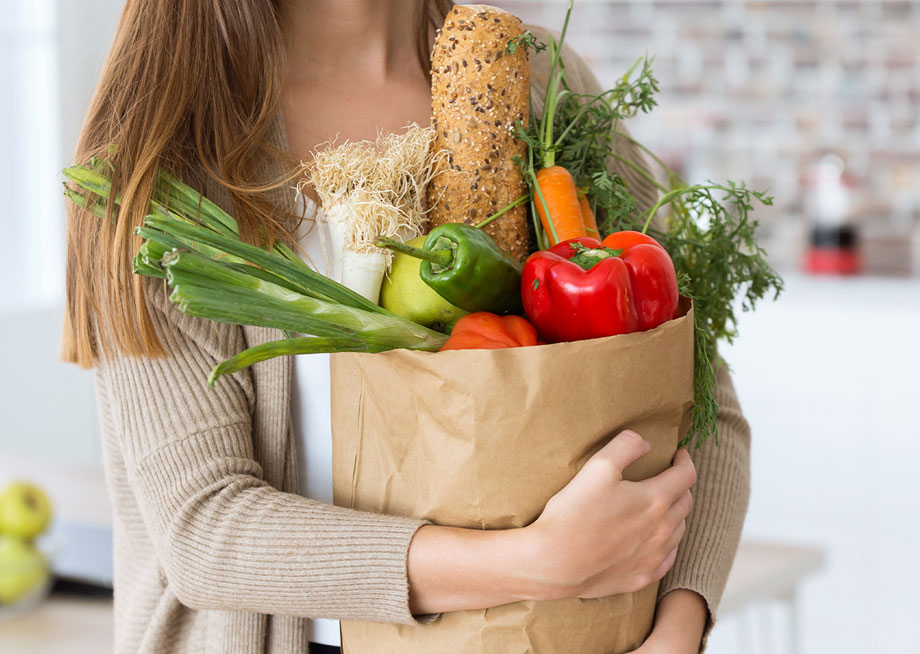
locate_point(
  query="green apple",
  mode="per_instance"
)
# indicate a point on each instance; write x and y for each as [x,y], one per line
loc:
[406,294]
[24,510]
[22,569]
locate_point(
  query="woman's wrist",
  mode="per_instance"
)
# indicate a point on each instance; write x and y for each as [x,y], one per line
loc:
[680,622]
[453,569]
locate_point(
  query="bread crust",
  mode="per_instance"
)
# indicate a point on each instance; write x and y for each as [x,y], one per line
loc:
[478,92]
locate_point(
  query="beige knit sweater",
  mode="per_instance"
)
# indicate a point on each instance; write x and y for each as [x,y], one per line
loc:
[216,552]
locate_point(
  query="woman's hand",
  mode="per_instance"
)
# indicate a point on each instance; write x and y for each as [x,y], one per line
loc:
[602,535]
[679,624]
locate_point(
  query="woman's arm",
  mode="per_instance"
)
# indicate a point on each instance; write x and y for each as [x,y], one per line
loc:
[679,623]
[598,536]
[225,537]
[228,540]
[714,526]
[705,555]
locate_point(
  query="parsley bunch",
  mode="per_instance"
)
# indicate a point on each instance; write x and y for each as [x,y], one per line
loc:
[708,229]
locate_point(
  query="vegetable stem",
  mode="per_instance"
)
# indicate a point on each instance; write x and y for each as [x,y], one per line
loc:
[556,75]
[215,275]
[290,346]
[665,199]
[439,257]
[581,114]
[212,290]
[640,170]
[319,286]
[498,214]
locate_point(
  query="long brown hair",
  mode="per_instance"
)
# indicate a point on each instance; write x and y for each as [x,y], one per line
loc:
[194,87]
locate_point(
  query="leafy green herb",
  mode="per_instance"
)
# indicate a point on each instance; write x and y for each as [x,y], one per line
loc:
[525,40]
[708,231]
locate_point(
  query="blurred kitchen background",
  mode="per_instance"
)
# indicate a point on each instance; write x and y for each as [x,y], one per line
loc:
[819,102]
[767,91]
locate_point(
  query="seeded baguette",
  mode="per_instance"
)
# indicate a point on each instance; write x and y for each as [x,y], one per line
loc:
[478,92]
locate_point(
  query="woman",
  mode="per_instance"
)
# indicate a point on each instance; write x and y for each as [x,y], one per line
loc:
[215,550]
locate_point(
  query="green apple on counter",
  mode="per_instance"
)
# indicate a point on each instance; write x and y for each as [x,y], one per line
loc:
[24,510]
[22,569]
[407,295]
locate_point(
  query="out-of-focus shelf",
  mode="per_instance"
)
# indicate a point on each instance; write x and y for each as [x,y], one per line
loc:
[768,571]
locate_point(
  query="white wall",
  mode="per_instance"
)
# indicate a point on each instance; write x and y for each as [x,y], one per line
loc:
[87,28]
[828,378]
[51,54]
[48,408]
[32,239]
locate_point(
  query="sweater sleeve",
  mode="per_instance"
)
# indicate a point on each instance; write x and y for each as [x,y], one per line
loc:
[708,548]
[720,500]
[226,539]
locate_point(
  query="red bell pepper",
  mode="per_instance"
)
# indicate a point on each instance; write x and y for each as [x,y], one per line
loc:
[487,331]
[582,289]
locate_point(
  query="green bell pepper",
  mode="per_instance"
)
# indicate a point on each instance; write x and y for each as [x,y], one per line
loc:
[465,266]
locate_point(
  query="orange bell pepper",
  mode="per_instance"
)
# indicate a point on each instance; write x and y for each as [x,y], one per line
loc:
[487,331]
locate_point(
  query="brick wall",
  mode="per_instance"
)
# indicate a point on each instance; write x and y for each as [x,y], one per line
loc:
[760,90]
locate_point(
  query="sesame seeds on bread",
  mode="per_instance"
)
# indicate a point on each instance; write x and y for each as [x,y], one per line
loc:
[478,92]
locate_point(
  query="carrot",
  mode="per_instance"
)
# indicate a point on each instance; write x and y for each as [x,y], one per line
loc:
[587,216]
[557,187]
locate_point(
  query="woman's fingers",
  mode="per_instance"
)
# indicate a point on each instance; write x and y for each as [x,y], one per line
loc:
[666,565]
[676,480]
[676,536]
[601,535]
[680,509]
[623,449]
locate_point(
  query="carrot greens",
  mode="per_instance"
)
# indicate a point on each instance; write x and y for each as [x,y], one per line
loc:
[708,229]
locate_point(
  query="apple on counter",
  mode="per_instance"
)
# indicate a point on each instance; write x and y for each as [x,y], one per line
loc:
[25,512]
[22,569]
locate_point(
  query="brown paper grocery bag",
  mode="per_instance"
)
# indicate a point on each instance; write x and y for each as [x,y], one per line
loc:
[482,439]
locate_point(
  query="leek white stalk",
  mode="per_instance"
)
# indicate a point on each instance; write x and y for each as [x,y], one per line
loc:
[363,272]
[369,190]
[337,220]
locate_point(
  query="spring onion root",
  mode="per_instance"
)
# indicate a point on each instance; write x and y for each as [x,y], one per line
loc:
[370,190]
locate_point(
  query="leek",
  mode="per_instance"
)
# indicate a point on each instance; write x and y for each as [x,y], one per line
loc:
[214,274]
[370,190]
[306,345]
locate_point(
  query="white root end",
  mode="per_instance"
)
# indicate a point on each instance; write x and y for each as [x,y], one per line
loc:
[375,189]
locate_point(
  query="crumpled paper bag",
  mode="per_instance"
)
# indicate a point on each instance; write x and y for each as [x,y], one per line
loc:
[482,439]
